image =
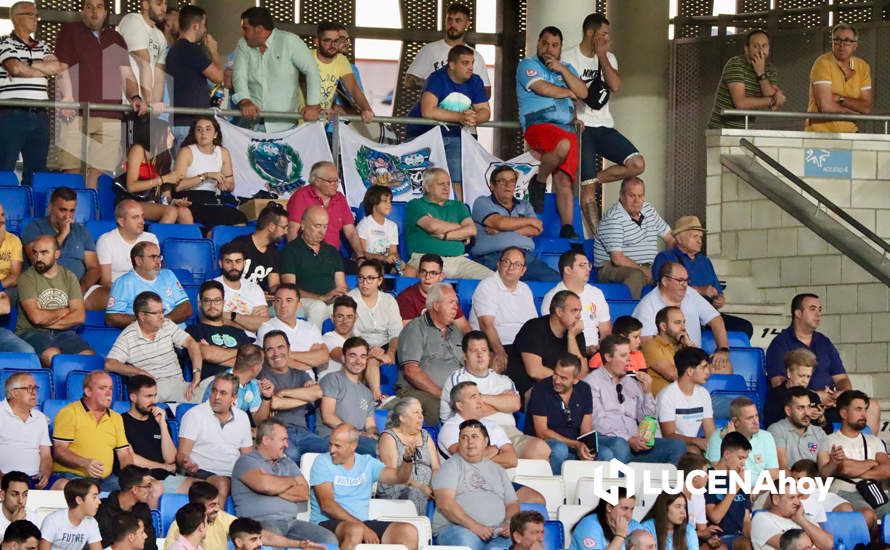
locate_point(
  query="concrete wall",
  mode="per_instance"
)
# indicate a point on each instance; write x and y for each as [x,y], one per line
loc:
[783,258]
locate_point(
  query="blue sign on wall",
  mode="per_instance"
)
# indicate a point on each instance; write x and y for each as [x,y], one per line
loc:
[828,163]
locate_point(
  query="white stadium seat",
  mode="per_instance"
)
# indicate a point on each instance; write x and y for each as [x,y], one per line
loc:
[573,470]
[43,503]
[306,462]
[421,523]
[569,515]
[393,508]
[533,467]
[549,486]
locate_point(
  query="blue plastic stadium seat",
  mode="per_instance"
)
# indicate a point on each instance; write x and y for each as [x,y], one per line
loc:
[106,197]
[380,416]
[614,291]
[551,221]
[42,184]
[17,203]
[885,529]
[403,282]
[63,364]
[193,255]
[849,528]
[223,234]
[751,363]
[87,205]
[192,292]
[554,536]
[736,340]
[539,289]
[43,379]
[173,426]
[9,178]
[388,375]
[534,507]
[519,416]
[74,384]
[553,245]
[352,281]
[120,406]
[726,383]
[19,361]
[94,319]
[168,505]
[617,308]
[52,407]
[164,231]
[181,409]
[465,290]
[100,339]
[398,216]
[327,326]
[97,228]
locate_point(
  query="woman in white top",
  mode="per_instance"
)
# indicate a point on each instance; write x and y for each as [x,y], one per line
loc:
[207,169]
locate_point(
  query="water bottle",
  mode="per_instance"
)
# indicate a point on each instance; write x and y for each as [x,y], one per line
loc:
[399,266]
[840,545]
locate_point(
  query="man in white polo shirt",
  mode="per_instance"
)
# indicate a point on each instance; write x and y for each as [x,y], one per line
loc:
[24,431]
[147,347]
[574,267]
[213,435]
[245,302]
[502,304]
[307,348]
[113,248]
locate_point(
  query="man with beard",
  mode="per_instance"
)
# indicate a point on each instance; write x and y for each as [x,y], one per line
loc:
[50,304]
[795,435]
[219,342]
[659,350]
[335,69]
[147,46]
[245,303]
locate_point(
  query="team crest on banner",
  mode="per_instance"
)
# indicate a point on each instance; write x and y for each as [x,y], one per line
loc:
[275,162]
[477,165]
[401,173]
[399,167]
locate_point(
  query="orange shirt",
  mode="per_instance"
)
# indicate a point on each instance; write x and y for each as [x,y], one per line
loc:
[635,362]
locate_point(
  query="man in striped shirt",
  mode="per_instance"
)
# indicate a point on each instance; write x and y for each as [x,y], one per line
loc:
[627,239]
[25,64]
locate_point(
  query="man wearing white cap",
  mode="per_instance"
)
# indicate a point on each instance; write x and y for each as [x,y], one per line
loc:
[689,234]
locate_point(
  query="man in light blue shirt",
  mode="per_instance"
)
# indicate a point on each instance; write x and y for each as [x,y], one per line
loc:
[268,65]
[147,275]
[745,420]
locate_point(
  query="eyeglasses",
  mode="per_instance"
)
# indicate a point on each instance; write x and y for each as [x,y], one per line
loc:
[619,388]
[157,257]
[154,312]
[584,265]
[843,41]
[567,412]
[509,264]
[367,278]
[326,180]
[212,300]
[28,14]
[682,281]
[29,389]
[424,273]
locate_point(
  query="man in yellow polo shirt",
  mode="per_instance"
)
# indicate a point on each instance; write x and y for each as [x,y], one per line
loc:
[87,435]
[839,83]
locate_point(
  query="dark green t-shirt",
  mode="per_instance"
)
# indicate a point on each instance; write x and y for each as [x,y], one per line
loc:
[314,272]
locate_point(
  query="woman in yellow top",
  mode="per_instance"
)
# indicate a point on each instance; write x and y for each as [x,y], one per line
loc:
[839,83]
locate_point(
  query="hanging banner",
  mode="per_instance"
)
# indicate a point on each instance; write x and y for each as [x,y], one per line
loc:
[477,165]
[399,167]
[276,162]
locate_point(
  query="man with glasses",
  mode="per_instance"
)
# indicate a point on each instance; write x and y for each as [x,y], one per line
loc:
[133,497]
[673,290]
[24,433]
[560,410]
[502,304]
[219,342]
[504,221]
[245,306]
[146,347]
[324,190]
[147,275]
[621,401]
[412,300]
[25,64]
[839,83]
[335,70]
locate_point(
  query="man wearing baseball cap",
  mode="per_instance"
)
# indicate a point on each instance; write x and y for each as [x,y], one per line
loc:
[687,251]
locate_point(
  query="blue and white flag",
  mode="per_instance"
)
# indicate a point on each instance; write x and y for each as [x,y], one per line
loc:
[276,162]
[399,167]
[477,164]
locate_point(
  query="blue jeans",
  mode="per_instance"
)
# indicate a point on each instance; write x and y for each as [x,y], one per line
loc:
[303,441]
[10,342]
[456,535]
[27,132]
[665,450]
[107,484]
[560,452]
[535,269]
[452,156]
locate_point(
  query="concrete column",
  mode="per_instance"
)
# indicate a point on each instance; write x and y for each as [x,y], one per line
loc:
[566,15]
[640,108]
[223,22]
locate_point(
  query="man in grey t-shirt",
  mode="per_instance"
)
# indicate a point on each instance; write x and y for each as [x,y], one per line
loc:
[294,389]
[795,435]
[429,351]
[346,398]
[474,496]
[267,486]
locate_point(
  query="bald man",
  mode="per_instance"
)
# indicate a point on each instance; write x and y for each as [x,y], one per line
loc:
[50,304]
[113,248]
[314,266]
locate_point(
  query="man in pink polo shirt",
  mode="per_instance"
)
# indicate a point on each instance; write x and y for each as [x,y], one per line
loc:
[324,190]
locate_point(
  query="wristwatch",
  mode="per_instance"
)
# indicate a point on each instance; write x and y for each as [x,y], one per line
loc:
[723,349]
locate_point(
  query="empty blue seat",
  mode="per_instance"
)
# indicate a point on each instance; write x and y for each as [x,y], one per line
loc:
[554,536]
[64,363]
[43,183]
[750,364]
[736,340]
[726,383]
[552,245]
[99,227]
[539,290]
[617,308]
[327,326]
[164,231]
[100,339]
[181,409]
[43,379]
[8,178]
[223,234]
[192,292]
[106,197]
[404,282]
[19,361]
[534,507]
[465,290]
[120,406]
[614,291]
[848,528]
[193,255]
[168,505]
[87,205]
[52,407]
[17,204]
[380,416]
[551,221]
[94,319]
[74,385]
[388,375]
[398,216]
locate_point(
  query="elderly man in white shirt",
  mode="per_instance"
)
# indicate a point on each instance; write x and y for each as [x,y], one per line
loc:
[24,431]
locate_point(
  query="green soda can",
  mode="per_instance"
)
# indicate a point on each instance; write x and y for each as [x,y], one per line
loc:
[647,430]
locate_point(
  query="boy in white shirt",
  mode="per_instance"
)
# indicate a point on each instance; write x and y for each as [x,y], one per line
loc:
[75,528]
[684,405]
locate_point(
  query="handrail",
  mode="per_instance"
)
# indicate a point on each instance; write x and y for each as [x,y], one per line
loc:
[823,200]
[814,116]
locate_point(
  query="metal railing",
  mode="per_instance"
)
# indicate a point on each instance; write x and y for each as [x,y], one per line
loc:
[749,113]
[821,199]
